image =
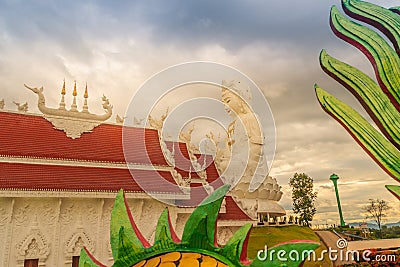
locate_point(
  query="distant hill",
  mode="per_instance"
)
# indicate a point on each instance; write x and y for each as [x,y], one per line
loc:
[372,225]
[392,224]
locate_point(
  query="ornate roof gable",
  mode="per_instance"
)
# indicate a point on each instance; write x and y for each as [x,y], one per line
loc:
[73,122]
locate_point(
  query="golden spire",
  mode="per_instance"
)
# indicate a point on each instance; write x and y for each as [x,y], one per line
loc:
[75,93]
[85,105]
[86,95]
[74,106]
[62,102]
[63,88]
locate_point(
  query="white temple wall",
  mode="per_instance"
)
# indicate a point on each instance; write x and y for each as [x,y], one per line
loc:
[53,229]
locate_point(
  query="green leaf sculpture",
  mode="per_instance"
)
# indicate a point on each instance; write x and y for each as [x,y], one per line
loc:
[198,246]
[380,99]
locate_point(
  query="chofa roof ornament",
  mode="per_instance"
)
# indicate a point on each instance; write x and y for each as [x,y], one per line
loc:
[73,122]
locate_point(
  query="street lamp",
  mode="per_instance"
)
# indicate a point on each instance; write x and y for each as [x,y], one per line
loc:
[334,179]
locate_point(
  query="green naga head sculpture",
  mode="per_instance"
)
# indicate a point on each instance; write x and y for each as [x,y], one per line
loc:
[198,246]
[380,99]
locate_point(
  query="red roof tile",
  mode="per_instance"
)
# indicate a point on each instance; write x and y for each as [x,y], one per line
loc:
[197,195]
[33,136]
[23,135]
[183,164]
[211,170]
[232,211]
[57,177]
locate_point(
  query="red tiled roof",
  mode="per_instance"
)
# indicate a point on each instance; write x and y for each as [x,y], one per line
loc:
[182,159]
[58,177]
[212,173]
[33,136]
[23,135]
[197,195]
[232,211]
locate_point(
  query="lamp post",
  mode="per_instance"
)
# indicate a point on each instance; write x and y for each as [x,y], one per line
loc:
[334,179]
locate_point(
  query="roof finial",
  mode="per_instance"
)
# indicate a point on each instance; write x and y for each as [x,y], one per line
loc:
[21,107]
[74,106]
[85,105]
[75,93]
[63,88]
[86,95]
[62,102]
[119,119]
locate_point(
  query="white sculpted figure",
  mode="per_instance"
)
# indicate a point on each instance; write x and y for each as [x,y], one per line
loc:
[242,162]
[245,141]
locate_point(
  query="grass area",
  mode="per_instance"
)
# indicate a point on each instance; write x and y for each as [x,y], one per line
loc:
[271,236]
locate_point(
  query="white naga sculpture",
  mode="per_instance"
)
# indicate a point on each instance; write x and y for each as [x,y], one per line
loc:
[242,161]
[119,119]
[21,107]
[158,124]
[186,136]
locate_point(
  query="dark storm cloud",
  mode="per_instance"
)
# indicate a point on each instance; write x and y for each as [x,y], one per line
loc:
[231,24]
[234,24]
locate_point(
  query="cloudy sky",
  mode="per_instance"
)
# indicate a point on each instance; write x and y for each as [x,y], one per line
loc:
[115,46]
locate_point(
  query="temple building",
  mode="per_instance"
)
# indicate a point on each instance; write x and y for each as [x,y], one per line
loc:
[60,172]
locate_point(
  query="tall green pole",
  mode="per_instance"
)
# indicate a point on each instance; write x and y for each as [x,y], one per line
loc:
[334,179]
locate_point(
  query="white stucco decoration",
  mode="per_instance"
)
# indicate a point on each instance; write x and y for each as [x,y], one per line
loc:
[73,122]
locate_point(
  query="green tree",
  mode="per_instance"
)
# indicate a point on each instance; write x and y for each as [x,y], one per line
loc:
[303,197]
[376,210]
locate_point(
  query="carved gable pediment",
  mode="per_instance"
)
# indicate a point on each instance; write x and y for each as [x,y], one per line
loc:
[34,246]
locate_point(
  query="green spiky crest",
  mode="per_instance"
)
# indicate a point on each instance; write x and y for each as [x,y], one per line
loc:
[385,153]
[376,16]
[380,99]
[394,189]
[199,235]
